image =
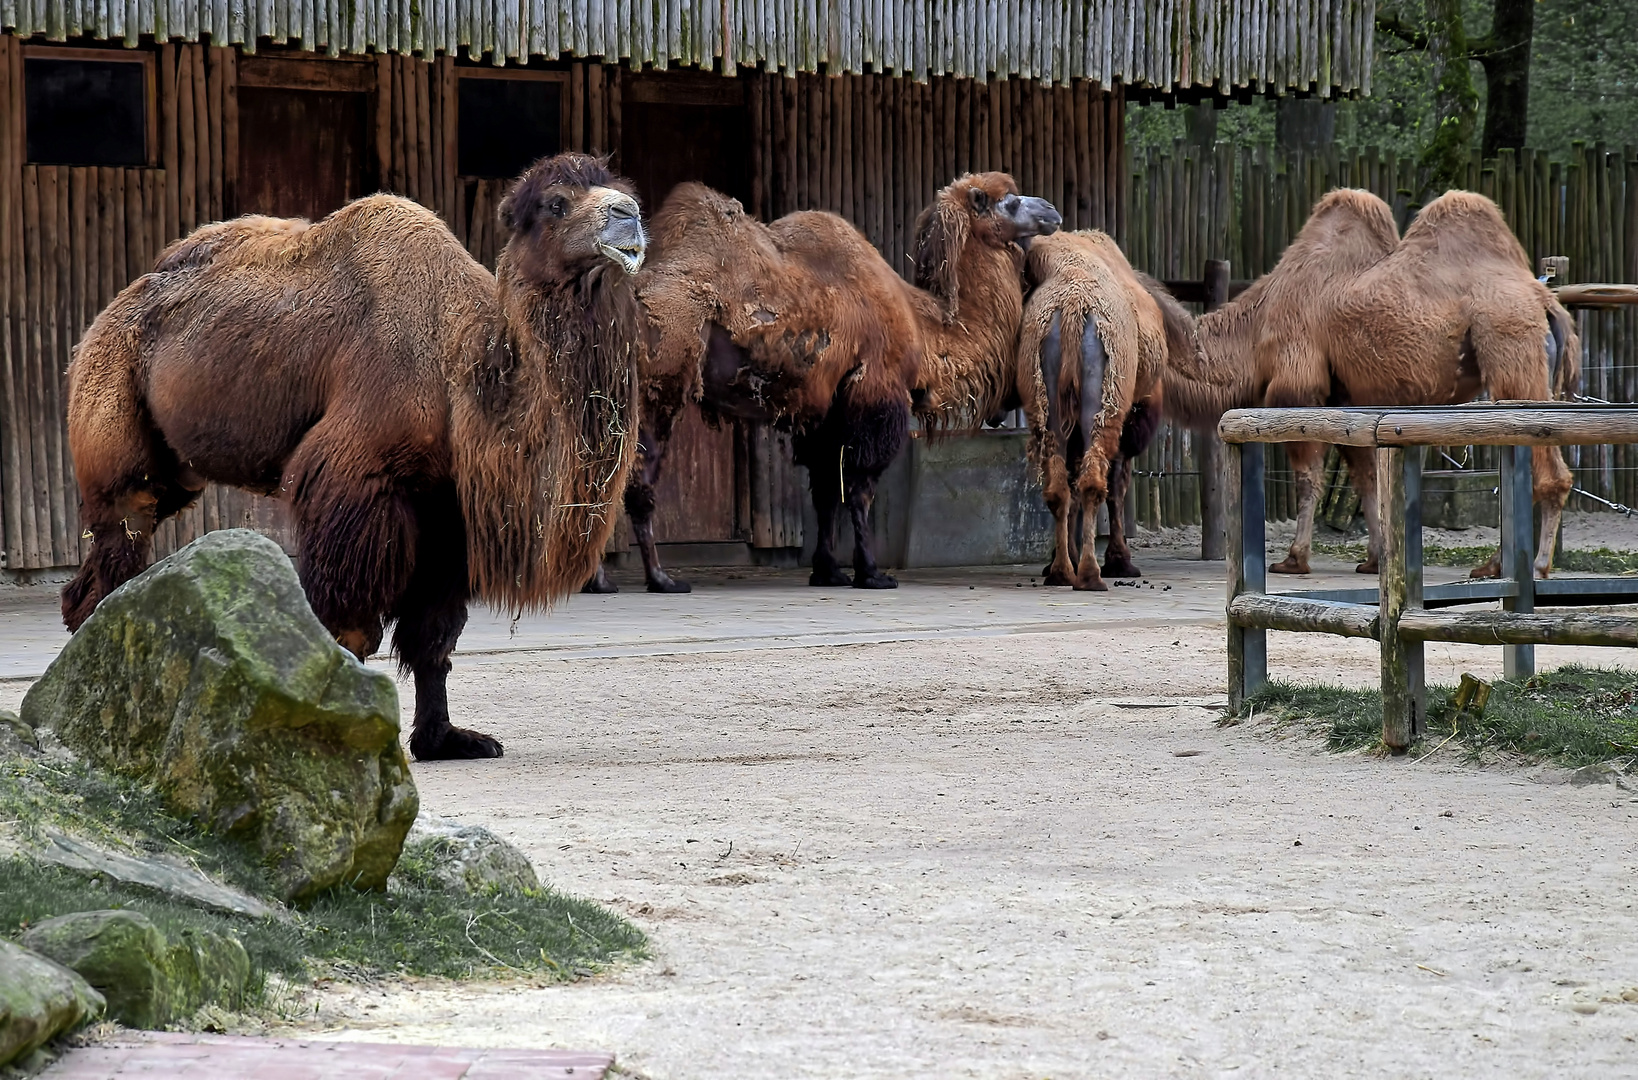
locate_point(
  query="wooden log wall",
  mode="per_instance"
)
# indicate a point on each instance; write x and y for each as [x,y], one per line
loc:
[876,149]
[1224,46]
[1245,204]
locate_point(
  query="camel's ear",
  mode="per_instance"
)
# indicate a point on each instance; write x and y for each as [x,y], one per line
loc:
[941,232]
[517,210]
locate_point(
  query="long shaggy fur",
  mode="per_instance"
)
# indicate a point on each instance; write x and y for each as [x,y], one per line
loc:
[1081,282]
[1355,315]
[361,367]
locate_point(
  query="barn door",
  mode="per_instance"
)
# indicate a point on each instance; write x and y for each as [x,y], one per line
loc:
[678,127]
[304,127]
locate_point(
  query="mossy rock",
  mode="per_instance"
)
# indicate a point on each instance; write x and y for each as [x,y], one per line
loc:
[148,981]
[209,677]
[39,1000]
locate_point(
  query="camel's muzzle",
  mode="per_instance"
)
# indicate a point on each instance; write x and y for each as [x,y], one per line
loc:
[622,239]
[1030,217]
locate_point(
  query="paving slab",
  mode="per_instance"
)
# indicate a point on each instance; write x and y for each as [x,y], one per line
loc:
[183,1056]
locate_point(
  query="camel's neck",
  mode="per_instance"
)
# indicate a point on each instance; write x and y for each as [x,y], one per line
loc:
[969,355]
[1221,372]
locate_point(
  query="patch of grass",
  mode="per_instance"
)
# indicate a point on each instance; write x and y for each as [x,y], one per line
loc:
[414,929]
[1593,561]
[1573,716]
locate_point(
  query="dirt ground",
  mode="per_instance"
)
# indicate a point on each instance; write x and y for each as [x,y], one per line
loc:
[968,858]
[1023,850]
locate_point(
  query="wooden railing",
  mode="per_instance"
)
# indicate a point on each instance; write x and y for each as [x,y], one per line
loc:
[1400,612]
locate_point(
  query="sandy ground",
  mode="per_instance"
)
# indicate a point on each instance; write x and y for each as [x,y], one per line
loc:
[1023,848]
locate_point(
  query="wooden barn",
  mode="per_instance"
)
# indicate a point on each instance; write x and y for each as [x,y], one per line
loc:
[126,123]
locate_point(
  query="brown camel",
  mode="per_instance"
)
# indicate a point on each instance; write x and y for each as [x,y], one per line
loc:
[441,433]
[802,323]
[1355,315]
[1089,417]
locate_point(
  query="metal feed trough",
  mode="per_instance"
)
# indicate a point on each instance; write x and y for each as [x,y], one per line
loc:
[1402,614]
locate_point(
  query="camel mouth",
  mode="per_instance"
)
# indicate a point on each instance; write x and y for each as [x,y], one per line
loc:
[629,257]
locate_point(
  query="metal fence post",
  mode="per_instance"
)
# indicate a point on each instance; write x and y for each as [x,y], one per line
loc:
[1247,567]
[1208,446]
[1404,695]
[1517,553]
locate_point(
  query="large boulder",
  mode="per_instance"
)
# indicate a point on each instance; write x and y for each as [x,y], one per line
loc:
[209,677]
[147,980]
[39,1000]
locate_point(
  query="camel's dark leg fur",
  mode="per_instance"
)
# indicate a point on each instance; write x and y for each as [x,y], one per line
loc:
[875,434]
[1137,432]
[822,456]
[430,615]
[640,504]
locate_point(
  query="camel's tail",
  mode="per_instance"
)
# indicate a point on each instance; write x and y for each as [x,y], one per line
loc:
[1564,365]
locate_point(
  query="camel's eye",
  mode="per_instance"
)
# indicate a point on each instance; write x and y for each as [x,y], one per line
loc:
[558,206]
[981,201]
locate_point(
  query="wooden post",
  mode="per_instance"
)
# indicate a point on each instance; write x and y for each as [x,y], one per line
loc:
[1247,568]
[1404,696]
[1518,661]
[1209,448]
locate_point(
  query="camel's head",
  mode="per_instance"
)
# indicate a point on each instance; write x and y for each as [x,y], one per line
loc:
[998,214]
[566,213]
[981,206]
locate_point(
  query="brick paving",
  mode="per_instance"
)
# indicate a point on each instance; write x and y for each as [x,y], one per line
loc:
[179,1056]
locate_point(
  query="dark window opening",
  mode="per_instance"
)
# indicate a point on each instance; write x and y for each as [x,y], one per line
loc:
[86,112]
[506,124]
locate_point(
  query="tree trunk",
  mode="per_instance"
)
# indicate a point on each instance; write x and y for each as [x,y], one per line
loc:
[1506,59]
[1455,104]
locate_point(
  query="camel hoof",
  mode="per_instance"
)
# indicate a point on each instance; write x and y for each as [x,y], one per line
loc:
[669,585]
[1094,585]
[1289,566]
[449,743]
[600,585]
[831,577]
[1057,577]
[1367,567]
[878,580]
[1491,569]
[1121,570]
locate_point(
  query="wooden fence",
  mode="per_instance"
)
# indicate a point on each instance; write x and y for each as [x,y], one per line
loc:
[1244,204]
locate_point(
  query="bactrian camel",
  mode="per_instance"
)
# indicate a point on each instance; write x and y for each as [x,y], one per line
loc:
[1095,340]
[802,323]
[440,433]
[1355,315]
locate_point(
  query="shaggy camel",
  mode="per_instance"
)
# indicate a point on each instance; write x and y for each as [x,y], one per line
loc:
[441,433]
[801,322]
[1088,418]
[1355,315]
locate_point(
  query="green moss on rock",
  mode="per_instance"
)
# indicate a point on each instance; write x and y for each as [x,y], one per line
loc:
[39,1000]
[209,677]
[148,981]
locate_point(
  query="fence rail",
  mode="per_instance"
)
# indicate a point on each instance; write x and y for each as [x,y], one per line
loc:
[1245,204]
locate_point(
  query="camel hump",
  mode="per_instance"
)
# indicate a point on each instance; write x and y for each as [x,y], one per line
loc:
[207,243]
[1468,220]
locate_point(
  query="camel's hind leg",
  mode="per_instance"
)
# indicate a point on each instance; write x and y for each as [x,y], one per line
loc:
[1138,430]
[1362,475]
[1098,433]
[1307,459]
[1051,443]
[129,480]
[430,615]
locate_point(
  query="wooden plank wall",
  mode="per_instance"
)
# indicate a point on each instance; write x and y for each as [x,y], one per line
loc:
[1169,45]
[1245,204]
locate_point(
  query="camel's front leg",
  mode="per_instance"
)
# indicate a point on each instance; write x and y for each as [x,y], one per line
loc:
[640,507]
[821,455]
[1362,474]
[1117,557]
[1306,461]
[861,492]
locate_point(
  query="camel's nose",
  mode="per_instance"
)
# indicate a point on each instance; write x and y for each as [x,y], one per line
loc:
[1039,216]
[622,238]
